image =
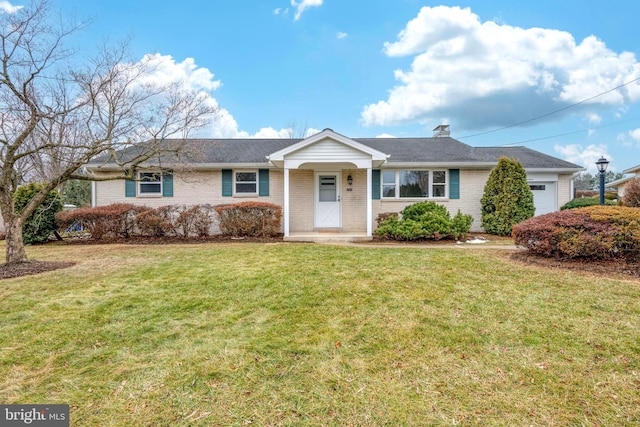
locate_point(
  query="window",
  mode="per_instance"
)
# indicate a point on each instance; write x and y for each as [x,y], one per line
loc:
[416,184]
[328,189]
[535,187]
[388,184]
[246,182]
[150,184]
[439,184]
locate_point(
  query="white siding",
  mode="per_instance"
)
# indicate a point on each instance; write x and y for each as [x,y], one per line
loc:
[328,150]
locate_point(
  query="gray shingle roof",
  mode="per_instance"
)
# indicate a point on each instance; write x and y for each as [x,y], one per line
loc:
[401,150]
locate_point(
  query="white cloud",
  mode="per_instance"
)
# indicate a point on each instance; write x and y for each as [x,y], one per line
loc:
[385,135]
[594,118]
[304,5]
[629,139]
[272,133]
[486,74]
[584,156]
[280,11]
[7,7]
[164,70]
[341,35]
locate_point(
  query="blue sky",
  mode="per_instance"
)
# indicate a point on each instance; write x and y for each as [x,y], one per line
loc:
[542,71]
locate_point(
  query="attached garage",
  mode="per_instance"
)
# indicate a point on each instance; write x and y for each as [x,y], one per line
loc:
[544,196]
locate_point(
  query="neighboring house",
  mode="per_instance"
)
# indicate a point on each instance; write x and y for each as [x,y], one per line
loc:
[621,183]
[332,183]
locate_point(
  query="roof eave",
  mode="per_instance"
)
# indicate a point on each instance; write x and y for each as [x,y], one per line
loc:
[110,167]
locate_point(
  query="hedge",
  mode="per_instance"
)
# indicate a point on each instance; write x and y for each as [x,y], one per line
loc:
[250,219]
[127,220]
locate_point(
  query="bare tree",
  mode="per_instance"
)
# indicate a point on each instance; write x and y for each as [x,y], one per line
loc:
[294,131]
[56,115]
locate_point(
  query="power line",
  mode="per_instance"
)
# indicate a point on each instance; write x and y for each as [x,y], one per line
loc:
[552,112]
[570,133]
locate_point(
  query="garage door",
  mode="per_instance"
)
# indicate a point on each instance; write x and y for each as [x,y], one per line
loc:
[544,196]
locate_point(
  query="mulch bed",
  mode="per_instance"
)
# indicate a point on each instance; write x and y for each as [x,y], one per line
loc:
[614,268]
[17,269]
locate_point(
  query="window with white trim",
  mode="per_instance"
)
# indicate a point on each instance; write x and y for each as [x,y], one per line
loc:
[414,184]
[245,182]
[150,183]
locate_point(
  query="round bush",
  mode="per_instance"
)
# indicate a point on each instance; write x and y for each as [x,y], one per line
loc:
[424,220]
[597,232]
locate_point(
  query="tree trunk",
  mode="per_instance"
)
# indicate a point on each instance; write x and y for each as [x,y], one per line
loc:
[15,245]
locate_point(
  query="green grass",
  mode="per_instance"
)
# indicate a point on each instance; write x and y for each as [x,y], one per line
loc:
[297,334]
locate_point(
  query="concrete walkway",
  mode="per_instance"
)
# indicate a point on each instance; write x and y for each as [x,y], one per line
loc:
[426,245]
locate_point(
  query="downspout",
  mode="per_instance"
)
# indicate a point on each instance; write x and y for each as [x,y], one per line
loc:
[369,203]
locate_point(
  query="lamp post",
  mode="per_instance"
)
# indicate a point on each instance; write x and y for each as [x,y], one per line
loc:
[602,164]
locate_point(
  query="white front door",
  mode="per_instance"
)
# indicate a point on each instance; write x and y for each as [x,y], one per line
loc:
[327,196]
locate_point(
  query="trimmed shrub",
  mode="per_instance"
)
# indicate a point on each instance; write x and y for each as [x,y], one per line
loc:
[597,232]
[424,220]
[159,222]
[631,196]
[116,220]
[586,201]
[250,219]
[196,221]
[42,222]
[507,198]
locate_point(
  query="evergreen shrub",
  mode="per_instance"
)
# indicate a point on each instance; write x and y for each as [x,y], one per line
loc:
[42,222]
[507,198]
[586,201]
[422,221]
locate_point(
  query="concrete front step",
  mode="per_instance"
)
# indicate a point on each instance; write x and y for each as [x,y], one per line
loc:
[327,237]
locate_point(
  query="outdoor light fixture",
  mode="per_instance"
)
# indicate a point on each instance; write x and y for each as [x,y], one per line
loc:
[602,164]
[350,180]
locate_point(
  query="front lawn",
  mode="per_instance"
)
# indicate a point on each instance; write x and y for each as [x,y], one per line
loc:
[303,334]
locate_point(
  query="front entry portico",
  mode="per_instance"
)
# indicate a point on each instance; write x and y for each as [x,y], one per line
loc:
[328,155]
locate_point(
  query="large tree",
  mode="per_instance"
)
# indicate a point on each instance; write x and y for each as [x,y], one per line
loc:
[58,111]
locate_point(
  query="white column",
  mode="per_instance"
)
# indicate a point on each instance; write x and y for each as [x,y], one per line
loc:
[369,203]
[286,202]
